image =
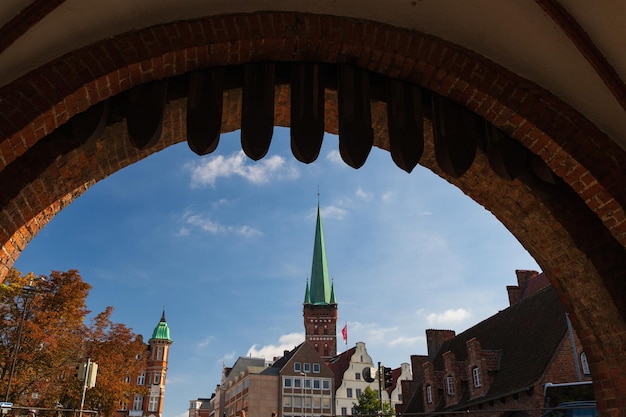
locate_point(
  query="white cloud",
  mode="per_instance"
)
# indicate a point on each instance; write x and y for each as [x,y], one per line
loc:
[402,340]
[269,352]
[333,212]
[205,224]
[208,171]
[448,317]
[363,194]
[205,342]
[226,358]
[335,157]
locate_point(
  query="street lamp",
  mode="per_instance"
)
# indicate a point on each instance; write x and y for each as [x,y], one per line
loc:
[303,391]
[28,293]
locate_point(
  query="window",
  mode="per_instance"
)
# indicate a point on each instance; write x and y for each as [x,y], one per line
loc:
[297,367]
[316,368]
[357,376]
[316,330]
[316,384]
[344,411]
[307,383]
[160,353]
[326,384]
[157,379]
[429,394]
[476,377]
[307,367]
[154,403]
[127,380]
[325,329]
[138,402]
[358,392]
[400,397]
[141,379]
[326,349]
[325,402]
[450,385]
[287,401]
[584,364]
[349,392]
[287,383]
[297,383]
[297,402]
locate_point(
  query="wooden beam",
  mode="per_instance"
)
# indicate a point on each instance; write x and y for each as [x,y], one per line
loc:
[405,118]
[144,117]
[204,110]
[454,133]
[356,135]
[257,109]
[507,157]
[307,111]
[90,124]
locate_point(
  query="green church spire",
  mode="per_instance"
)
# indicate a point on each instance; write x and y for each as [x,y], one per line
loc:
[307,294]
[320,290]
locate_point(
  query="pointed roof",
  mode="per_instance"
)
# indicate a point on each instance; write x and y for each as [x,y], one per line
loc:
[307,294]
[320,289]
[161,331]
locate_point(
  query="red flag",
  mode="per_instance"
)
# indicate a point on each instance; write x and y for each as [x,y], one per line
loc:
[344,333]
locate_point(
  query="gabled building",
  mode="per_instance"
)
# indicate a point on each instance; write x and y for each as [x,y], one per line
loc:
[348,372]
[501,363]
[320,306]
[305,383]
[246,389]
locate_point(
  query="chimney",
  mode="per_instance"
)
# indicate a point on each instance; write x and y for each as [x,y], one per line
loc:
[516,292]
[436,338]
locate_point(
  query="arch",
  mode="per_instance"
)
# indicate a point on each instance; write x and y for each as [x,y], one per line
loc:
[553,223]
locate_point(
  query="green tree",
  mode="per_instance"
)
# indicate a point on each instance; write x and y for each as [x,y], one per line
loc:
[369,404]
[48,316]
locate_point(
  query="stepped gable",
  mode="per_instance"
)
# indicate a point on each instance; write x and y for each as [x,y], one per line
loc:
[339,365]
[536,324]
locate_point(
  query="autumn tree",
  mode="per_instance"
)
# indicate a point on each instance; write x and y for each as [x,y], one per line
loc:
[48,315]
[369,404]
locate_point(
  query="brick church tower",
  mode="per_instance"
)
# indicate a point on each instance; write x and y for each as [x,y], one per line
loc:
[320,307]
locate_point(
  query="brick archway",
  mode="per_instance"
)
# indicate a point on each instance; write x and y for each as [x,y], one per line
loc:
[576,232]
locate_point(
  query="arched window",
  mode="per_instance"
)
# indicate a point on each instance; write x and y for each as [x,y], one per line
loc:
[325,349]
[325,329]
[315,329]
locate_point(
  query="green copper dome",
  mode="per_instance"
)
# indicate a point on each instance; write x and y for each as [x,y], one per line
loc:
[161,331]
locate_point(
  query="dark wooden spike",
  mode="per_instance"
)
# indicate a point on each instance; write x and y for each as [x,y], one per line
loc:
[454,130]
[257,109]
[356,135]
[507,157]
[144,117]
[307,111]
[542,170]
[405,118]
[204,110]
[90,124]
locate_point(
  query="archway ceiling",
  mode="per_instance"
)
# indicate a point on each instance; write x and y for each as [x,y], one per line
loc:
[580,56]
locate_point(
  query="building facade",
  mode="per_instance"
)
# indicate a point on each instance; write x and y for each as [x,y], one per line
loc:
[502,364]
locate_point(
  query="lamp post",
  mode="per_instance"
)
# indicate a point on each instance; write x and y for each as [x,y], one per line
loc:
[304,392]
[28,292]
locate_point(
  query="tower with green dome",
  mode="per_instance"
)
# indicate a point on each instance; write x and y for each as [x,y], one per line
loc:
[320,305]
[159,346]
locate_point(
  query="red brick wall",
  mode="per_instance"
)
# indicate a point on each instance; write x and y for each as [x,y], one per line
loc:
[577,232]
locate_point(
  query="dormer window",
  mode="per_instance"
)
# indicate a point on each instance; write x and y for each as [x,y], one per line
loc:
[450,385]
[476,376]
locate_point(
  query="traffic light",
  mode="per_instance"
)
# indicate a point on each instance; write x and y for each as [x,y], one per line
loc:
[388,377]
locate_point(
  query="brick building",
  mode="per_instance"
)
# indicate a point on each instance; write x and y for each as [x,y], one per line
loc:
[502,363]
[152,378]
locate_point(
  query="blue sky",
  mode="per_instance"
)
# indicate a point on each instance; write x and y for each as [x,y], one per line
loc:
[225,244]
